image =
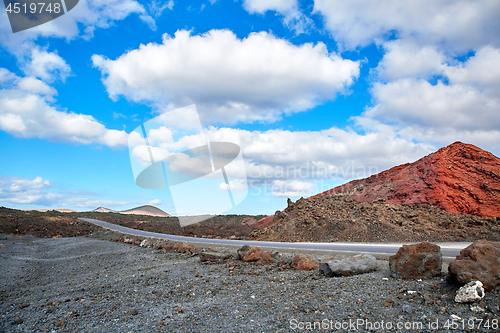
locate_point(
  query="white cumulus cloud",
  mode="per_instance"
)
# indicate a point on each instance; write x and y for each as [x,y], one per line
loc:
[26,111]
[229,79]
[456,25]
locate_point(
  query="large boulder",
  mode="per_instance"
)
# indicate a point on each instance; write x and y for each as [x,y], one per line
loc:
[214,257]
[359,264]
[478,261]
[253,253]
[416,261]
[304,263]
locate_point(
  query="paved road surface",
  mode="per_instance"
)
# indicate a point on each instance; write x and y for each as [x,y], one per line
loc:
[447,249]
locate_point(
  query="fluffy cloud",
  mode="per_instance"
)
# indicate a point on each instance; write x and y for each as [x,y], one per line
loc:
[456,25]
[229,80]
[17,190]
[332,154]
[423,89]
[291,188]
[404,59]
[25,111]
[47,66]
[89,14]
[26,191]
[463,105]
[292,17]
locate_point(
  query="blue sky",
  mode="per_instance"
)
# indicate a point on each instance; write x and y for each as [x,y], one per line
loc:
[349,88]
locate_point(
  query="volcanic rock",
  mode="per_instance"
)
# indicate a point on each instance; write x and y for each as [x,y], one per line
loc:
[359,264]
[253,253]
[471,292]
[214,257]
[478,261]
[242,251]
[148,242]
[266,259]
[416,261]
[304,263]
[185,248]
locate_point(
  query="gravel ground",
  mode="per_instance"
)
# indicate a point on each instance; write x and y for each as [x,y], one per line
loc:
[89,284]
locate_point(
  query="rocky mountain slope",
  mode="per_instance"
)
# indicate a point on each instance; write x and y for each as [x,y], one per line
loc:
[450,195]
[459,178]
[336,217]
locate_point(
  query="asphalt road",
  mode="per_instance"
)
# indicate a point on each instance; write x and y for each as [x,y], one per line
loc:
[449,250]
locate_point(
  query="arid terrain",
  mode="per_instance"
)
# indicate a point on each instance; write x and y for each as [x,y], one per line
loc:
[89,284]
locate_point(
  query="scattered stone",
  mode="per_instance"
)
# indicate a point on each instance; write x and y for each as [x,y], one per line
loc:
[476,309]
[304,263]
[180,310]
[18,320]
[214,257]
[359,264]
[478,261]
[471,292]
[184,247]
[253,253]
[416,261]
[406,308]
[389,303]
[242,251]
[166,245]
[455,317]
[148,242]
[134,312]
[59,323]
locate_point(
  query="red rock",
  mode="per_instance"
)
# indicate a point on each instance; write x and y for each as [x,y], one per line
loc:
[304,263]
[478,261]
[185,248]
[253,253]
[416,261]
[266,259]
[264,222]
[459,178]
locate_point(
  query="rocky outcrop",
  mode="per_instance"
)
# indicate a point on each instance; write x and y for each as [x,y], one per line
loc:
[478,261]
[359,264]
[304,263]
[471,292]
[416,261]
[450,195]
[459,178]
[337,218]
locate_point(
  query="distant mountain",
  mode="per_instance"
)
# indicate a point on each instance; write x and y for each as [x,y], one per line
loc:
[104,210]
[142,210]
[146,210]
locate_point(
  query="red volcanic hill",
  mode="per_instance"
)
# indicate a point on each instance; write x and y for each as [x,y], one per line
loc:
[459,178]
